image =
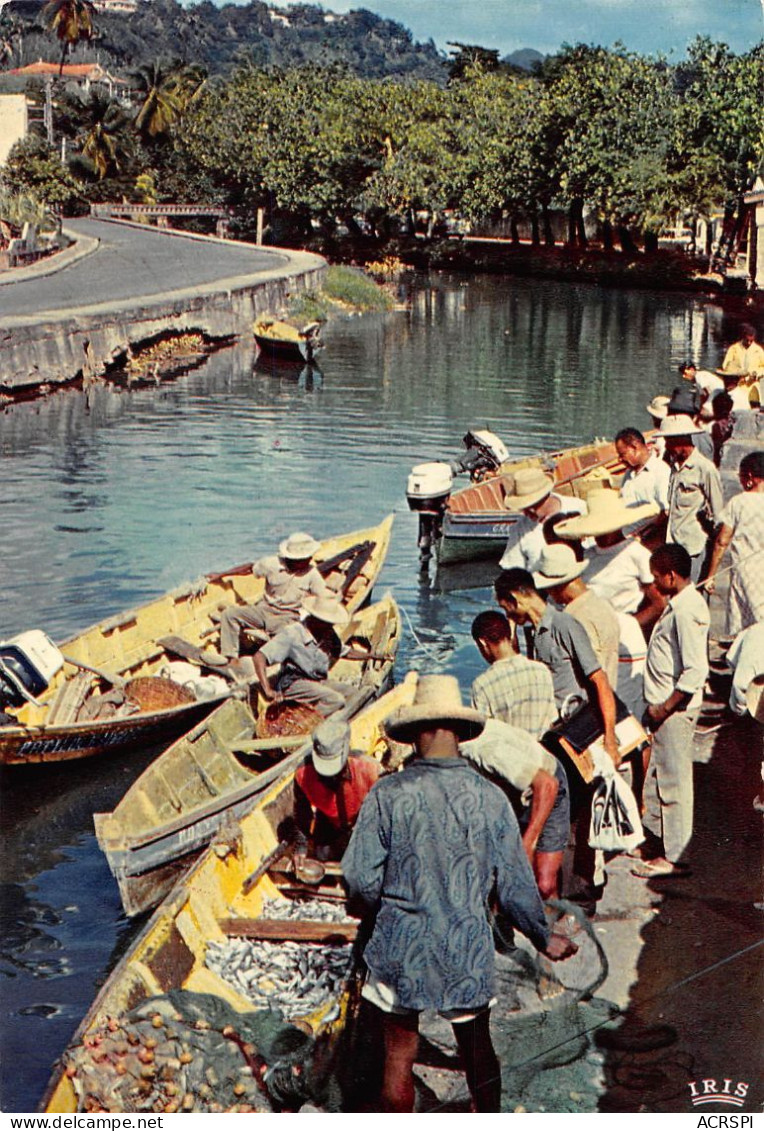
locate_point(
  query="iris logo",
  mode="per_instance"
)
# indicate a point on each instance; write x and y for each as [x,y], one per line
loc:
[709,1092]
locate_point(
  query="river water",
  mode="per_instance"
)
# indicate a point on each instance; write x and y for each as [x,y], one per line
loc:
[114,496]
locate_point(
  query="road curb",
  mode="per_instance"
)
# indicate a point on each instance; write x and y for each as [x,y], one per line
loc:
[83,245]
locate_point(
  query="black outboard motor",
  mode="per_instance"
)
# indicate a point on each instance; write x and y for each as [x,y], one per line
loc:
[485,452]
[28,663]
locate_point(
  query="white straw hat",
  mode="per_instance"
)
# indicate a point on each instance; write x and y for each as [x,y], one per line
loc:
[331,747]
[298,547]
[658,406]
[437,702]
[607,513]
[558,566]
[326,609]
[530,486]
[679,425]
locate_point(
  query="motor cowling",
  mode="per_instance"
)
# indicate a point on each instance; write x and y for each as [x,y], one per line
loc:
[28,662]
[429,486]
[485,452]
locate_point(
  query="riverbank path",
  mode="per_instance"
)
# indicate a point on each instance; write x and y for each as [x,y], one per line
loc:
[131,261]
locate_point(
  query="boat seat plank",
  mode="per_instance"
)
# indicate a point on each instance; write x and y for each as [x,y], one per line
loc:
[299,930]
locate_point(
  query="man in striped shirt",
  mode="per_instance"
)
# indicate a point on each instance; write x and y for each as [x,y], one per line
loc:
[514,689]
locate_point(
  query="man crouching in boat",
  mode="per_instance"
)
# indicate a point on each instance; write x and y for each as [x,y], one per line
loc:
[290,577]
[329,790]
[306,650]
[432,845]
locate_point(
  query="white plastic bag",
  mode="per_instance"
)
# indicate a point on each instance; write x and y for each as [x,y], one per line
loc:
[615,825]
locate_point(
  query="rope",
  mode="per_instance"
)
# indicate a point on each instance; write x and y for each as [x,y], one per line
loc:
[426,648]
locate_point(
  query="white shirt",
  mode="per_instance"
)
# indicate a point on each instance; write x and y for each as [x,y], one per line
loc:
[526,542]
[649,484]
[508,752]
[619,574]
[632,653]
[677,655]
[709,382]
[746,658]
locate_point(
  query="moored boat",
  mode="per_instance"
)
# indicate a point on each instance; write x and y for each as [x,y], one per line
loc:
[472,522]
[216,771]
[222,897]
[76,716]
[280,339]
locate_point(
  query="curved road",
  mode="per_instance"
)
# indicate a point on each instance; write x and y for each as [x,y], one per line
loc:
[132,261]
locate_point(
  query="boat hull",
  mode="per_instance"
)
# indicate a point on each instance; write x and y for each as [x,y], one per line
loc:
[203,909]
[128,647]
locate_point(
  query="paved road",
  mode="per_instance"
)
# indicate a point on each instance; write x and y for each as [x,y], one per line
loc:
[132,262]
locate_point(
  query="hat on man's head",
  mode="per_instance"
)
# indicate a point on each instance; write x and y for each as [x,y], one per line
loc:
[437,703]
[730,374]
[331,747]
[530,486]
[558,566]
[754,698]
[298,547]
[658,406]
[607,513]
[326,609]
[679,425]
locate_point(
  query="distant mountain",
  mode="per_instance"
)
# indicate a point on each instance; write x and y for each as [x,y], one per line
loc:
[526,58]
[222,38]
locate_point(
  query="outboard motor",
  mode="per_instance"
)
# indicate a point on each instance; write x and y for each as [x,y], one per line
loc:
[485,453]
[427,491]
[28,663]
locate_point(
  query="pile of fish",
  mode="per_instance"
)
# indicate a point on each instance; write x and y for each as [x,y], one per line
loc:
[296,978]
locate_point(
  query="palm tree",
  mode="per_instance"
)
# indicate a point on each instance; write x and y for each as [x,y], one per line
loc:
[101,139]
[72,21]
[166,90]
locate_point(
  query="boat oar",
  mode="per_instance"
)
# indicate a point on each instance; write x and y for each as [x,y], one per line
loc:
[115,680]
[267,862]
[274,742]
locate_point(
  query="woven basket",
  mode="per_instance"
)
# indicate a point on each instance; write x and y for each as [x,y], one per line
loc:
[156,693]
[287,717]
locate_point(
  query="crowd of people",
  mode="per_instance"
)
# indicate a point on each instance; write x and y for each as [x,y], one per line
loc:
[601,618]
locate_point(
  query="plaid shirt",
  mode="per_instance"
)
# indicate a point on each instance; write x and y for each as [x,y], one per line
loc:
[519,692]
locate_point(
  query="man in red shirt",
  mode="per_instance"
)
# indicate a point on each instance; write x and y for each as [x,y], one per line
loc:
[329,790]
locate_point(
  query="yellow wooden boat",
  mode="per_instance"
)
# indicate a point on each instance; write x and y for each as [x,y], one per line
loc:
[221,897]
[216,771]
[280,339]
[126,650]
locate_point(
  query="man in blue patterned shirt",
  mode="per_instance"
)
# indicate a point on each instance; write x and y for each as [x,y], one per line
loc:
[433,847]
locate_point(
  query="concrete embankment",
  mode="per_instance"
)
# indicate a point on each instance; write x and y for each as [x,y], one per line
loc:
[136,284]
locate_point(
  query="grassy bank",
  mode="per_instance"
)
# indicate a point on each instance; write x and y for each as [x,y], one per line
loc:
[345,289]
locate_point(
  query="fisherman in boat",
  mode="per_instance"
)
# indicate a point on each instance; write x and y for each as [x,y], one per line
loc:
[515,689]
[306,650]
[533,495]
[433,845]
[329,790]
[647,477]
[290,577]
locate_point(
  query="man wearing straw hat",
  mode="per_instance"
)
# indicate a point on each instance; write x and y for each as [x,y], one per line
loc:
[432,847]
[532,495]
[289,578]
[306,650]
[617,567]
[695,492]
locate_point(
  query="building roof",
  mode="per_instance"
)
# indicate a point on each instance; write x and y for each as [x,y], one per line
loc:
[92,72]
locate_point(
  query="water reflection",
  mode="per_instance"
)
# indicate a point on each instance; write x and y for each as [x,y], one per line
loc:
[113,496]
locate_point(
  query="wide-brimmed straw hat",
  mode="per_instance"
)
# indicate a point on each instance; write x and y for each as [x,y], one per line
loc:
[658,406]
[679,425]
[754,699]
[558,566]
[298,547]
[326,609]
[437,703]
[530,486]
[607,513]
[331,747]
[732,374]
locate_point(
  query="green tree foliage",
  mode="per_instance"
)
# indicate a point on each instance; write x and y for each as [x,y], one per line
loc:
[102,138]
[165,91]
[71,20]
[34,167]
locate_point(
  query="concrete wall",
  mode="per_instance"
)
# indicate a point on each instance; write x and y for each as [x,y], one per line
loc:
[51,352]
[14,122]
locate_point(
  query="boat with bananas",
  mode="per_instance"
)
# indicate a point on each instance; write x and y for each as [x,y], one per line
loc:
[116,684]
[233,936]
[216,771]
[473,522]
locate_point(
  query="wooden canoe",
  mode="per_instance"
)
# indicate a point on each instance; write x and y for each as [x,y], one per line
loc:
[281,340]
[213,902]
[128,647]
[476,523]
[212,774]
